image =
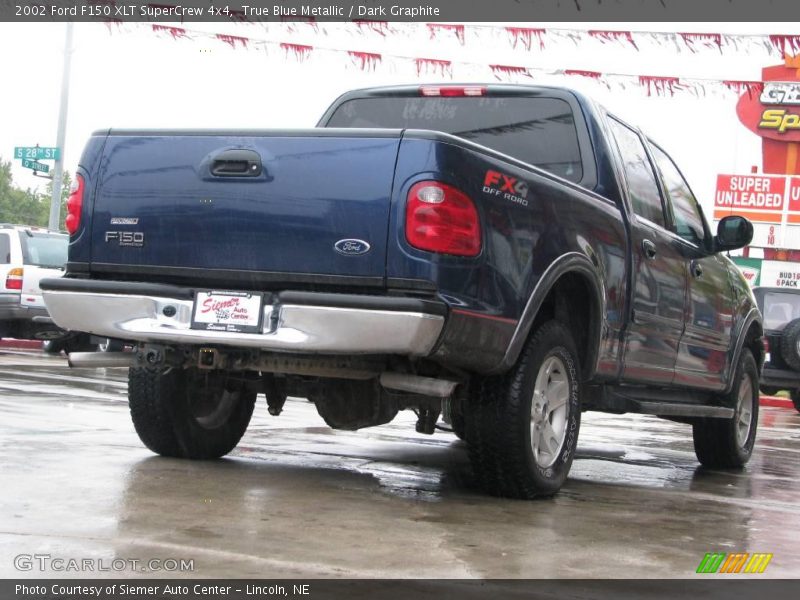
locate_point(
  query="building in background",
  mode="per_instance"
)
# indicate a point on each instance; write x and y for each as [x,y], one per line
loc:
[770,199]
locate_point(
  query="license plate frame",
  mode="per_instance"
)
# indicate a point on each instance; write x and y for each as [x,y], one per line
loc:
[224,303]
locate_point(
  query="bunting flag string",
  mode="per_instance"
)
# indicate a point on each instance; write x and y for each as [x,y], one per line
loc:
[740,87]
[613,36]
[536,38]
[524,36]
[709,40]
[651,85]
[530,39]
[366,61]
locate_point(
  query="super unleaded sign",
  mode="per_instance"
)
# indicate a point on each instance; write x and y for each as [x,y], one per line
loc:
[770,202]
[760,196]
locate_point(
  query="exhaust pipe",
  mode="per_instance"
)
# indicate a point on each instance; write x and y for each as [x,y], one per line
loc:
[403,382]
[415,384]
[93,360]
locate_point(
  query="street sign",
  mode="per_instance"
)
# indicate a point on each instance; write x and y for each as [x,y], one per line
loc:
[36,153]
[36,166]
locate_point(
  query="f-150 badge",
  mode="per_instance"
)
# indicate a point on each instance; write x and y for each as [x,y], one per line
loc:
[350,247]
[134,239]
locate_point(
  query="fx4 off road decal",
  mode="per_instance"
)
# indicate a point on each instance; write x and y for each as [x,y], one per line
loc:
[505,187]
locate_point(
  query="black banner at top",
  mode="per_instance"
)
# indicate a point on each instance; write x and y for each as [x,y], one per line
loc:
[186,11]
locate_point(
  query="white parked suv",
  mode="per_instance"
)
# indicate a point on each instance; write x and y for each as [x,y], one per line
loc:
[28,254]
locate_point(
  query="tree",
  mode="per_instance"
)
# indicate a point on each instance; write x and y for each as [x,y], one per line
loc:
[28,207]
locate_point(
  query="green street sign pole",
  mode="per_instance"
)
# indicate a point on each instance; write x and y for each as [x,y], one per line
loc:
[58,174]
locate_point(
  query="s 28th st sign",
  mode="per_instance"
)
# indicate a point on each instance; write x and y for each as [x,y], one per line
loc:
[36,153]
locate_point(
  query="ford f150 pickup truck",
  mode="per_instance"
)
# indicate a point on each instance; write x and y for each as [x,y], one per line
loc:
[499,257]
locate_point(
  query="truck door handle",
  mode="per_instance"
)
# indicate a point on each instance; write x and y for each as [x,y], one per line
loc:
[697,270]
[236,163]
[649,249]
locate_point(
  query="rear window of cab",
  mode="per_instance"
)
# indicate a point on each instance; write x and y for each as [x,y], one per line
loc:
[537,130]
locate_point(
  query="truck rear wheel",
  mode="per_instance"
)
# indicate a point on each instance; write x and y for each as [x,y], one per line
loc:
[186,413]
[795,394]
[728,443]
[522,427]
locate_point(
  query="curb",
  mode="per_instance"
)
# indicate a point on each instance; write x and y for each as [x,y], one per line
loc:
[776,401]
[20,344]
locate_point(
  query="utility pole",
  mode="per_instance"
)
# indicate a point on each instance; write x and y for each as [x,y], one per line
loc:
[58,171]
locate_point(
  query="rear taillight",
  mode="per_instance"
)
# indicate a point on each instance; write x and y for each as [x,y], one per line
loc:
[452,91]
[14,279]
[766,346]
[443,219]
[74,205]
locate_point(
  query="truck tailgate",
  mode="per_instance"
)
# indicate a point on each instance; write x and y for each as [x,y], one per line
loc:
[284,203]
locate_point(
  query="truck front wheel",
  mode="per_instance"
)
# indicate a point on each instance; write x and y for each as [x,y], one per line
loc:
[522,427]
[186,413]
[728,443]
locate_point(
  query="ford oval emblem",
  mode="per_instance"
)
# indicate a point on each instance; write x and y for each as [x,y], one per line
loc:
[351,247]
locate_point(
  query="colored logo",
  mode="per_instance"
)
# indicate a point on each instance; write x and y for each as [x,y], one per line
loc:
[750,275]
[351,247]
[505,186]
[775,112]
[736,562]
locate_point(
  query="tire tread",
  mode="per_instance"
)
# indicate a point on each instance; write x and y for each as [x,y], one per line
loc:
[497,410]
[715,442]
[158,402]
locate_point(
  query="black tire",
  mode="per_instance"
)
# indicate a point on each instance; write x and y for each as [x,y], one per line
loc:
[186,413]
[790,352]
[768,390]
[499,416]
[795,395]
[458,426]
[80,343]
[53,346]
[716,441]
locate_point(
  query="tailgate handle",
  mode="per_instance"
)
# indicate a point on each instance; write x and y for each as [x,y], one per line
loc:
[236,163]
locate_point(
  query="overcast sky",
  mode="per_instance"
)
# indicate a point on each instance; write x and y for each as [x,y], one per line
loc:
[129,77]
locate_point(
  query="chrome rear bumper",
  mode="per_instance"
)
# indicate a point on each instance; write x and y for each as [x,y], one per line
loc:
[286,327]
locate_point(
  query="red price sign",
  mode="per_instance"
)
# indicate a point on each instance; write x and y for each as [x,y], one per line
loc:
[760,198]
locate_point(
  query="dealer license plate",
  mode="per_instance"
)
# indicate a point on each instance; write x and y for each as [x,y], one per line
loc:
[237,312]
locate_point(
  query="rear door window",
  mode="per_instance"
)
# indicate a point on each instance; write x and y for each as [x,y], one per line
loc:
[642,183]
[537,130]
[44,249]
[689,222]
[5,249]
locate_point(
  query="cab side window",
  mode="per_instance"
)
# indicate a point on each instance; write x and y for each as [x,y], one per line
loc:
[688,218]
[5,249]
[642,185]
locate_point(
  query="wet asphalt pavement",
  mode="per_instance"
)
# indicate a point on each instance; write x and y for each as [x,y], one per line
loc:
[297,499]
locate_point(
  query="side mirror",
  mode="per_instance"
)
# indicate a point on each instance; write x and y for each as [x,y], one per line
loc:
[732,233]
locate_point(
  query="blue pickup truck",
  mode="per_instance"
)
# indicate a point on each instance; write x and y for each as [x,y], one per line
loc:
[498,257]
